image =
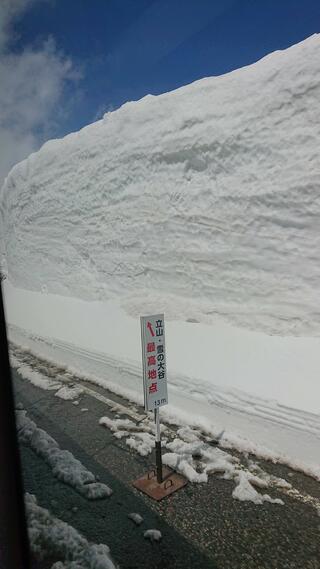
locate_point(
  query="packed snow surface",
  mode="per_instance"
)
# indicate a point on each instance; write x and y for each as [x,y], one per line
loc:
[204,201]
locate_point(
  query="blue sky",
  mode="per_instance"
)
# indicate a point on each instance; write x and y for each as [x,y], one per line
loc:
[102,53]
[128,48]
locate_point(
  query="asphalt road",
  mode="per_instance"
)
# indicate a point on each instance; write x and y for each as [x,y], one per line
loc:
[202,525]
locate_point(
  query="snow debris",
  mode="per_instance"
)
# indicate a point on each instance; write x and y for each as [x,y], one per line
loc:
[195,459]
[34,377]
[143,443]
[245,491]
[50,536]
[83,409]
[69,393]
[153,535]
[184,466]
[188,435]
[149,426]
[138,435]
[270,479]
[62,462]
[118,424]
[136,518]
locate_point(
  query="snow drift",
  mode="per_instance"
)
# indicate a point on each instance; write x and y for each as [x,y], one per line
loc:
[204,201]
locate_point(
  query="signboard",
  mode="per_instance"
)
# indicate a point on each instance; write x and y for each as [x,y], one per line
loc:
[154,361]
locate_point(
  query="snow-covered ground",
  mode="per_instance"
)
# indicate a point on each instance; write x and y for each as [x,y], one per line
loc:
[202,203]
[250,422]
[201,357]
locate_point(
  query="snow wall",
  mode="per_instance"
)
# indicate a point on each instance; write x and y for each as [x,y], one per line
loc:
[203,202]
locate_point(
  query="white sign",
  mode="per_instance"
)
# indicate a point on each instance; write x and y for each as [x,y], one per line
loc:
[154,361]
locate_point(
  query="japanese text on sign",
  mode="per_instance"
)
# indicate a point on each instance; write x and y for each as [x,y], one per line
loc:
[154,361]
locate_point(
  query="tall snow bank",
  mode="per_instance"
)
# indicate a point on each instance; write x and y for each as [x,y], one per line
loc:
[202,201]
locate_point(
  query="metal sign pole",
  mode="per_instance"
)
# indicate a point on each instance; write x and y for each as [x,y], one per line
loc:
[158,482]
[158,446]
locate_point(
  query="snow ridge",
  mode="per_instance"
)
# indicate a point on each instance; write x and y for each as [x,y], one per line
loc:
[51,536]
[64,465]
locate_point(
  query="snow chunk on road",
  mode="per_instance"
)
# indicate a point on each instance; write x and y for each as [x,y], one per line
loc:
[184,466]
[153,534]
[190,457]
[117,424]
[64,465]
[49,535]
[69,393]
[136,518]
[143,443]
[138,435]
[244,491]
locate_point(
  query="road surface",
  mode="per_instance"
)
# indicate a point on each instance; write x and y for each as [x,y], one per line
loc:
[202,525]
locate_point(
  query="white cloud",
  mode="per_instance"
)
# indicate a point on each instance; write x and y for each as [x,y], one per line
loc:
[32,88]
[10,10]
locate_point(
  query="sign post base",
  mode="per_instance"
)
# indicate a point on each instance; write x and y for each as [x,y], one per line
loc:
[171,482]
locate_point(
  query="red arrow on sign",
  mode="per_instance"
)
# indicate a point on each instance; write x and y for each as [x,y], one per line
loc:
[150,328]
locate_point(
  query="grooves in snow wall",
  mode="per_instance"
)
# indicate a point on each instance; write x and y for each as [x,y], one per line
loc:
[202,202]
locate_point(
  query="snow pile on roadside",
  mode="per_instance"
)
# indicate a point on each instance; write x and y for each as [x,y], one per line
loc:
[138,436]
[143,443]
[36,378]
[192,457]
[50,536]
[196,460]
[62,462]
[65,392]
[245,491]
